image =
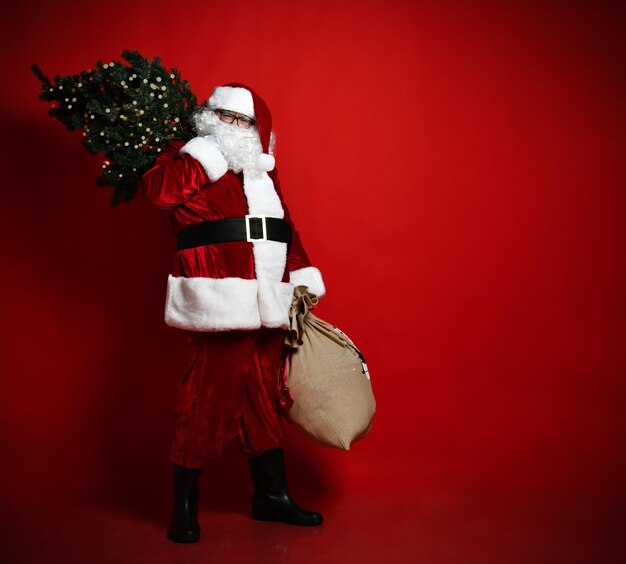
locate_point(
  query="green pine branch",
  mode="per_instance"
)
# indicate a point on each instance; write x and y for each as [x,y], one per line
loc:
[125,111]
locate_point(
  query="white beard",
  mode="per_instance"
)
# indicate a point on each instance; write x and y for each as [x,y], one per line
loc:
[239,146]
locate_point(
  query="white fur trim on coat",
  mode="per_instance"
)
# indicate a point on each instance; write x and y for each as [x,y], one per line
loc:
[224,304]
[211,304]
[232,98]
[274,302]
[206,150]
[311,277]
[270,257]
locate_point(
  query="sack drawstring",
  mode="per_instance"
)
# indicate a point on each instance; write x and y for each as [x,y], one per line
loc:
[302,303]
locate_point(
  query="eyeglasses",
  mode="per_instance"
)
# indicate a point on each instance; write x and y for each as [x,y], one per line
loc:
[230,117]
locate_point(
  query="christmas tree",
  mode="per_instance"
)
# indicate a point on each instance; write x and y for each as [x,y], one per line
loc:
[125,111]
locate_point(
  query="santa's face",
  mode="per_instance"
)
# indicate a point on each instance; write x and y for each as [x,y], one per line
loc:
[240,145]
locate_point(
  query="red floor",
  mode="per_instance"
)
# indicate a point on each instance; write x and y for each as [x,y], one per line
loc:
[401,525]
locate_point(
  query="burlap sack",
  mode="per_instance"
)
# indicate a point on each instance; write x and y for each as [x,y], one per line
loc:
[333,402]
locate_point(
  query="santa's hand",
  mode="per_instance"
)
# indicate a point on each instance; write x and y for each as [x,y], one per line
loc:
[206,151]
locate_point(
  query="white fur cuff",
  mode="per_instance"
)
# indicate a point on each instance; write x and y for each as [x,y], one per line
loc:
[308,276]
[206,151]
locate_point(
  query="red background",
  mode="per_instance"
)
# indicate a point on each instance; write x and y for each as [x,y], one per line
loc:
[456,171]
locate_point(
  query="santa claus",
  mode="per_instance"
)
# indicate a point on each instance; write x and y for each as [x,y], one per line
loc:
[238,260]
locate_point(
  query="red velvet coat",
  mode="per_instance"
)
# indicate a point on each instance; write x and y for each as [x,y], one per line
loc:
[234,285]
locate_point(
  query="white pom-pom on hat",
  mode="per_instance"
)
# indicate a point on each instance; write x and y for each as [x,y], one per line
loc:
[265,162]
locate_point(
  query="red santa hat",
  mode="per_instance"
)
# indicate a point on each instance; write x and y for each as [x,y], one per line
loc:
[236,97]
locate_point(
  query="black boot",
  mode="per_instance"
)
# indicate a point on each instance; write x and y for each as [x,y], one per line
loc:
[184,526]
[271,500]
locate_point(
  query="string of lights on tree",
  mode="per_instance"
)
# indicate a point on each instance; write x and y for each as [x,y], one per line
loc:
[127,112]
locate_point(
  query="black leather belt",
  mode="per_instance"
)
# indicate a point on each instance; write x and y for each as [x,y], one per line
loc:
[249,228]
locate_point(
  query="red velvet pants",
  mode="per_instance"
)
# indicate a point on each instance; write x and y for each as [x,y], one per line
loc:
[229,389]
